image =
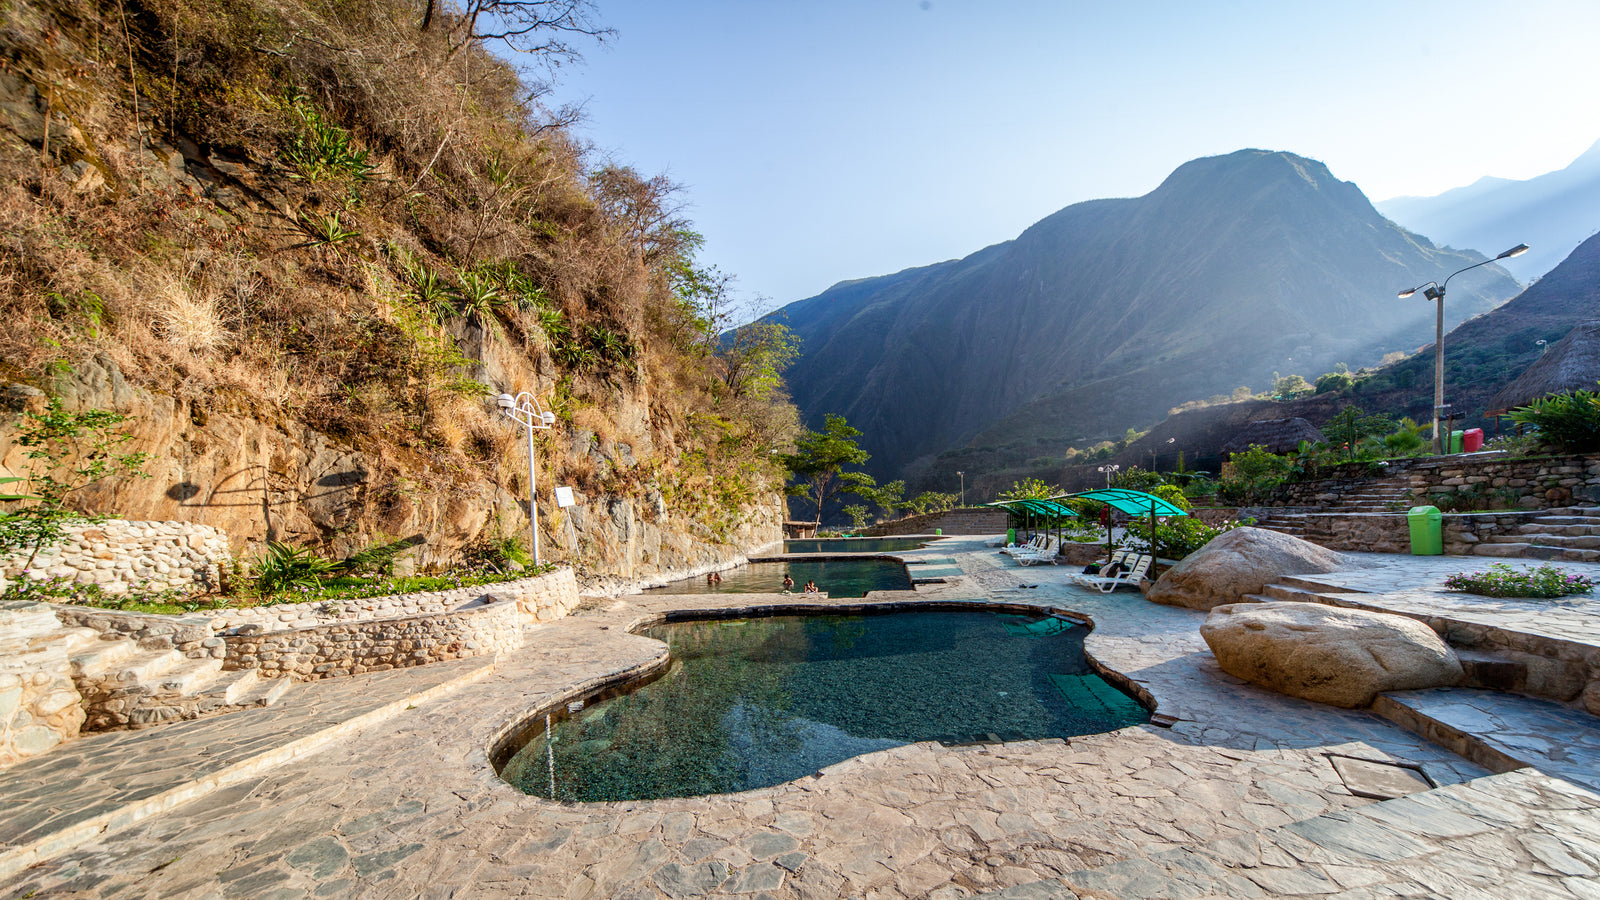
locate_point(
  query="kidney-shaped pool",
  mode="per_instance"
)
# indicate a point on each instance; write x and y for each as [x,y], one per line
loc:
[749,703]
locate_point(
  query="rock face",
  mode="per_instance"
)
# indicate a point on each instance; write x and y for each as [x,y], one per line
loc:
[264,479]
[1242,561]
[1343,657]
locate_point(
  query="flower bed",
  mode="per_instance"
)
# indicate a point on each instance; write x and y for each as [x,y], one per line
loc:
[1501,580]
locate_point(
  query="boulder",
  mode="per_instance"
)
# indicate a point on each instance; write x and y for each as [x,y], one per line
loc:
[1239,562]
[1343,657]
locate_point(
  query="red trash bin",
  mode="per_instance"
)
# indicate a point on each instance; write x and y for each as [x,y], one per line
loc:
[1472,440]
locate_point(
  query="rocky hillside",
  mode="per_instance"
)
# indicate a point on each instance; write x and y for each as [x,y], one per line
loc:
[1109,313]
[1552,213]
[303,243]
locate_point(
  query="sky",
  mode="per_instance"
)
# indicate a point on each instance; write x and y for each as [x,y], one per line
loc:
[824,141]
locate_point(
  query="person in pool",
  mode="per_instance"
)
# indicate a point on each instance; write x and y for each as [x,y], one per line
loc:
[811,588]
[713,578]
[788,582]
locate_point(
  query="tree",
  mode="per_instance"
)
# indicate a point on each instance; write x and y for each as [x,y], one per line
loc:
[67,452]
[858,516]
[1348,426]
[1029,489]
[886,496]
[818,462]
[754,357]
[929,501]
[1334,381]
[1290,386]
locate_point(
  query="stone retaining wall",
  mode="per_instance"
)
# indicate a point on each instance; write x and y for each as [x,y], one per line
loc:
[351,648]
[542,597]
[1485,481]
[1391,532]
[119,555]
[39,704]
[346,636]
[193,634]
[969,520]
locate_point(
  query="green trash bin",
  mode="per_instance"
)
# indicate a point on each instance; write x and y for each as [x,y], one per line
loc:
[1455,441]
[1427,531]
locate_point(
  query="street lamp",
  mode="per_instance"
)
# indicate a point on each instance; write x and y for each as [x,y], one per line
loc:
[524,410]
[1108,471]
[963,477]
[1435,291]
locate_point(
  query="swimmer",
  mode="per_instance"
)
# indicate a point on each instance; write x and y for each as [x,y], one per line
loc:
[811,587]
[788,582]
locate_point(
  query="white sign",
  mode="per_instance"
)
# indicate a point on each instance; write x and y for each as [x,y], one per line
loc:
[564,497]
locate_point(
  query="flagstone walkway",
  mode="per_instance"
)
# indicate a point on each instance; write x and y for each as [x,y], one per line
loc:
[1238,798]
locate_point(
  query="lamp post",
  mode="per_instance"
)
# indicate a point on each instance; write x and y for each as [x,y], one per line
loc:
[1108,471]
[1435,291]
[524,410]
[963,477]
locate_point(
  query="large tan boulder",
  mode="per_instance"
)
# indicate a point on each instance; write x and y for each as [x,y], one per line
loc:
[1242,561]
[1343,657]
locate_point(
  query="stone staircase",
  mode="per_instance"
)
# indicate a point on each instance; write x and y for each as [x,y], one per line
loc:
[1570,534]
[125,686]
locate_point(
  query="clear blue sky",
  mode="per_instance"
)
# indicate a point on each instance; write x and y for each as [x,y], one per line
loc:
[830,140]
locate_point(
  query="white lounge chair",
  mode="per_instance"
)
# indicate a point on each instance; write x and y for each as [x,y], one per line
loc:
[1133,570]
[1034,545]
[1049,554]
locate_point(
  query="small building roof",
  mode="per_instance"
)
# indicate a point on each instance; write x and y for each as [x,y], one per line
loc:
[1570,364]
[1277,435]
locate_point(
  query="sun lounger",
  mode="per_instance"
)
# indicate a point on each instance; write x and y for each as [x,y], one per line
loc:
[1049,554]
[1132,572]
[1035,545]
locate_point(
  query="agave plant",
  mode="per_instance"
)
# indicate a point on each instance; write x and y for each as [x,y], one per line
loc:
[286,567]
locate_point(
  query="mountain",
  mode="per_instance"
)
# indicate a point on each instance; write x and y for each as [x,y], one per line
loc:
[1106,314]
[1482,356]
[1551,214]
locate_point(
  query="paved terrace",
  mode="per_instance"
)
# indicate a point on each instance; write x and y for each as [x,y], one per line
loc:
[386,791]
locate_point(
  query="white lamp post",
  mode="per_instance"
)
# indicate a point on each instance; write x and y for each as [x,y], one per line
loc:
[1108,471]
[963,477]
[524,410]
[1435,291]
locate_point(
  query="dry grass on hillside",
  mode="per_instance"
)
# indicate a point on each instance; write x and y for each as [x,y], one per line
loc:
[305,211]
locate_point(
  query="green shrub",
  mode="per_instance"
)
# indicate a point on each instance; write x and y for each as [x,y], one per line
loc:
[285,567]
[1251,475]
[1544,582]
[1568,422]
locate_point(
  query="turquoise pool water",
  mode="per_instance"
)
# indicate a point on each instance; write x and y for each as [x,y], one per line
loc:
[835,577]
[854,545]
[751,703]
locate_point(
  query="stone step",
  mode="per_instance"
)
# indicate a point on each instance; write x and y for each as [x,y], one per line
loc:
[265,693]
[99,657]
[229,685]
[76,640]
[1284,592]
[147,666]
[1555,518]
[1571,542]
[187,676]
[1536,551]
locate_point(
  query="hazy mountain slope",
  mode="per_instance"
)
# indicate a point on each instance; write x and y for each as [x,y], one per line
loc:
[1551,213]
[1108,313]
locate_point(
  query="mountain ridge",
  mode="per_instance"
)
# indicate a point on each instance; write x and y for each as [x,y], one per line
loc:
[1232,268]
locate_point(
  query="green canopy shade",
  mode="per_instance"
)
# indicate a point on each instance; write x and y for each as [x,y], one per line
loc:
[1048,508]
[1134,503]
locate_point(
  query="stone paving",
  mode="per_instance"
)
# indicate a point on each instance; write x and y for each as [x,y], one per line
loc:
[409,806]
[1415,585]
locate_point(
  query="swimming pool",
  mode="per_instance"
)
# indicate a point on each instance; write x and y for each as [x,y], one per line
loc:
[854,545]
[834,577]
[749,703]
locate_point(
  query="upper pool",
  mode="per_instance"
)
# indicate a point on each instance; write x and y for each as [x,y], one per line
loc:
[854,545]
[750,703]
[834,577]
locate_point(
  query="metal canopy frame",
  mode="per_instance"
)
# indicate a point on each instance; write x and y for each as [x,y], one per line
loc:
[1133,503]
